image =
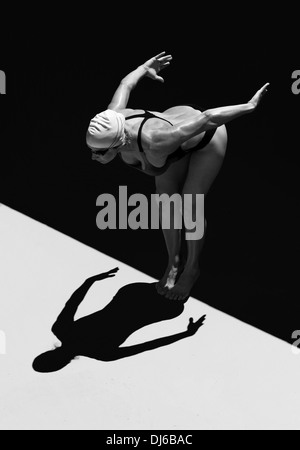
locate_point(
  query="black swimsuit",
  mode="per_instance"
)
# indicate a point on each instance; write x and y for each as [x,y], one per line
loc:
[176,156]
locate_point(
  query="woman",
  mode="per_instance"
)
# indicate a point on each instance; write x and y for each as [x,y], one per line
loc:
[183,148]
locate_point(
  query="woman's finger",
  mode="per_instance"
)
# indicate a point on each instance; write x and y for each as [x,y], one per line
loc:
[265,87]
[165,66]
[165,58]
[159,55]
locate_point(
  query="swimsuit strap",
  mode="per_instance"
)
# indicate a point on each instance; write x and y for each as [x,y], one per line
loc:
[206,139]
[147,115]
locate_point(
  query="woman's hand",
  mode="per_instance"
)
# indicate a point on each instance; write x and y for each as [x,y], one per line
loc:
[259,95]
[156,64]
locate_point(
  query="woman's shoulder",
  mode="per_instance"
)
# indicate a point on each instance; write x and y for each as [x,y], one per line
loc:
[180,113]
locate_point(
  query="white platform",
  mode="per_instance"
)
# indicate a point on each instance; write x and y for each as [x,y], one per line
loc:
[228,376]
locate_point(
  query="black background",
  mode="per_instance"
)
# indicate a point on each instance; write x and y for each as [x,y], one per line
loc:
[58,80]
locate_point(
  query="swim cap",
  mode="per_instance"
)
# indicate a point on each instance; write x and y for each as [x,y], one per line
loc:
[106,130]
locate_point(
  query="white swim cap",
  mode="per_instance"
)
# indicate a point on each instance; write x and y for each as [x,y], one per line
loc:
[106,130]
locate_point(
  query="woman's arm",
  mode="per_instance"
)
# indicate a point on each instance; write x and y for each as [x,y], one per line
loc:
[150,68]
[209,119]
[122,94]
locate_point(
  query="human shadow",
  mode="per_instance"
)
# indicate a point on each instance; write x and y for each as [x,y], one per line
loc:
[100,335]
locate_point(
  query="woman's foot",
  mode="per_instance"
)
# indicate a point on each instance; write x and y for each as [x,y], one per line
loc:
[182,289]
[173,272]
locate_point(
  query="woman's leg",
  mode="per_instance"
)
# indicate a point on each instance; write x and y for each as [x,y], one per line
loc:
[171,182]
[203,169]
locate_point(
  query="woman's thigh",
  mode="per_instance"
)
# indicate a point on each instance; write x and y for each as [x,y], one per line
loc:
[205,165]
[172,181]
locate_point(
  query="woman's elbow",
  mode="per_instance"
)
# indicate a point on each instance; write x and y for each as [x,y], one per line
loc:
[209,118]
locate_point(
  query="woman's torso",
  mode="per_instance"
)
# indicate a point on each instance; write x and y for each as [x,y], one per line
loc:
[175,115]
